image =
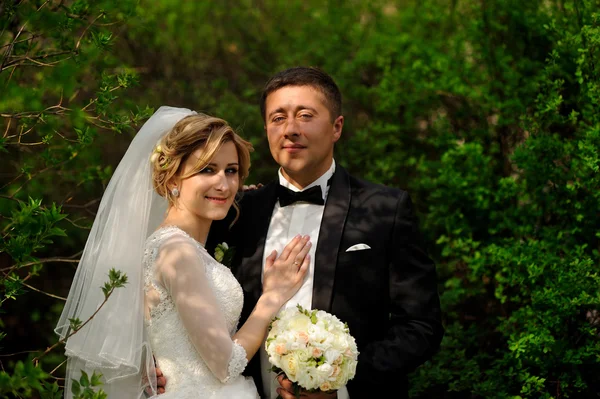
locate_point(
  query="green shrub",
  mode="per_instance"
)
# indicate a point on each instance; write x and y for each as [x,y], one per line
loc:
[60,87]
[485,111]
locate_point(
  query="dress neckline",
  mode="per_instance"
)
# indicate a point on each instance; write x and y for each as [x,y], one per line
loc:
[174,227]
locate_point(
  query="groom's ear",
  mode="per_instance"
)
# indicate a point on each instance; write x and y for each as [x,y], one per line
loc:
[338,124]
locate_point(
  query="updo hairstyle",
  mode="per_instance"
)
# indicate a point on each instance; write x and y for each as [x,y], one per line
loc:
[188,135]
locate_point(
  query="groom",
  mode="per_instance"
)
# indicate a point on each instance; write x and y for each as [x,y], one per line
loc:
[369,267]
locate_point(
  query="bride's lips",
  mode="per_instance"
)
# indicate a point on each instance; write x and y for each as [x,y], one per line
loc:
[217,200]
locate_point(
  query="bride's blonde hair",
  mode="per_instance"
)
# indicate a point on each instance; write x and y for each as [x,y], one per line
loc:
[199,131]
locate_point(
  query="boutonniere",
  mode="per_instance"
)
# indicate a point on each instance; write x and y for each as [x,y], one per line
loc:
[224,254]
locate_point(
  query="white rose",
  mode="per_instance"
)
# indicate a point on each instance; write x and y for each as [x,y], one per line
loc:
[316,352]
[281,349]
[308,379]
[336,371]
[326,386]
[299,322]
[324,371]
[331,355]
[302,337]
[289,365]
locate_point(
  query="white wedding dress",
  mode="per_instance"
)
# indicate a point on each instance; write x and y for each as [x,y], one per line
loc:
[193,305]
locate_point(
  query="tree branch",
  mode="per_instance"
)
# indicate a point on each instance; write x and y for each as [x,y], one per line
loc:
[49,349]
[19,61]
[60,110]
[96,99]
[40,261]
[11,47]
[33,36]
[37,174]
[86,29]
[43,292]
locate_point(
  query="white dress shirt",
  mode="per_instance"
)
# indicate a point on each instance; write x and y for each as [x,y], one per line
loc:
[287,222]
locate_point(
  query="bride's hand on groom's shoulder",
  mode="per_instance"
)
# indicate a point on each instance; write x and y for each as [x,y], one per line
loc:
[251,187]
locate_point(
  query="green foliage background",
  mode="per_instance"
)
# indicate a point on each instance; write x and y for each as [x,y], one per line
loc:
[486,111]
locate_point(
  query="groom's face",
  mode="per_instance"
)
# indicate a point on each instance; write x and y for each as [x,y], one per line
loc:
[301,132]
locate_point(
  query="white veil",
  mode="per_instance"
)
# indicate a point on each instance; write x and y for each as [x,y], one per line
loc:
[114,342]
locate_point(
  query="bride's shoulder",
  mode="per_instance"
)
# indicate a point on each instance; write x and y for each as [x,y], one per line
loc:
[172,237]
[169,233]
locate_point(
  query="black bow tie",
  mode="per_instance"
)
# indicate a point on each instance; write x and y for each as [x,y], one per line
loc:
[288,197]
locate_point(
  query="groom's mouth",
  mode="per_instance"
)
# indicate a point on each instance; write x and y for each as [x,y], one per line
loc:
[293,149]
[217,200]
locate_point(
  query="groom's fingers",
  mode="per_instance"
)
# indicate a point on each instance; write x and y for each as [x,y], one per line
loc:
[161,381]
[285,394]
[305,395]
[286,390]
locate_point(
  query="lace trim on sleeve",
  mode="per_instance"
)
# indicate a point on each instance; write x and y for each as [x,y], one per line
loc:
[238,361]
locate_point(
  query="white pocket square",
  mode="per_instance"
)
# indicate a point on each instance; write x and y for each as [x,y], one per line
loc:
[358,247]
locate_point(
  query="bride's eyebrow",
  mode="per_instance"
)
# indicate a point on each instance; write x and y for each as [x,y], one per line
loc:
[229,164]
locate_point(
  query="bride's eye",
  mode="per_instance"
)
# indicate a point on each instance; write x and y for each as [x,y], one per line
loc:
[207,170]
[231,171]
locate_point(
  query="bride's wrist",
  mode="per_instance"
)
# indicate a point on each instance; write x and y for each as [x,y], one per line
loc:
[271,301]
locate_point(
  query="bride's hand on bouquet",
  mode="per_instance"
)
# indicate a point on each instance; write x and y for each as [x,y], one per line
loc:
[285,273]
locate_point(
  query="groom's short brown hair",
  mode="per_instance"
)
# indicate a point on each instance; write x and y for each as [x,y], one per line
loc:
[305,76]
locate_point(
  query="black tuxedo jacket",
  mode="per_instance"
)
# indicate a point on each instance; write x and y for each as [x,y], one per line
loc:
[387,294]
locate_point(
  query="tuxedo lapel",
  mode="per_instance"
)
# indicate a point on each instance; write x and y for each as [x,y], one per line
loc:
[256,229]
[330,235]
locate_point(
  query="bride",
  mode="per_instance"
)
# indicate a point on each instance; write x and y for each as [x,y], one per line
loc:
[181,172]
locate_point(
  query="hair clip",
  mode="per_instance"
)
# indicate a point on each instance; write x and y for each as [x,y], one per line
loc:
[156,153]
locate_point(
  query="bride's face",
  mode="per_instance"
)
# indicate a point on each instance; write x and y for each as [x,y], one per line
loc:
[209,193]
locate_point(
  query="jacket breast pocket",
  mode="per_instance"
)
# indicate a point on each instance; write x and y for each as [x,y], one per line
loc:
[362,257]
[361,280]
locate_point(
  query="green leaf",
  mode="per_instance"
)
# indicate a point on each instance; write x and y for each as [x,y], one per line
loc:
[75,388]
[84,379]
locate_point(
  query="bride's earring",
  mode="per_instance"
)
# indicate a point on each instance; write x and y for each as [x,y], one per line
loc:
[175,192]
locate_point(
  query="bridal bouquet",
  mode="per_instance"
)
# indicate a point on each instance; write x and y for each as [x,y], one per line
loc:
[314,349]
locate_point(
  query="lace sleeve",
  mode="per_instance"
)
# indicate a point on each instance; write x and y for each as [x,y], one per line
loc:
[180,270]
[238,361]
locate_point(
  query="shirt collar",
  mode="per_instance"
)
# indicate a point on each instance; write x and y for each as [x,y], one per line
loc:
[321,181]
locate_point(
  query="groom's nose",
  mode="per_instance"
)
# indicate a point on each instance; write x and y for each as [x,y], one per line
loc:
[291,128]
